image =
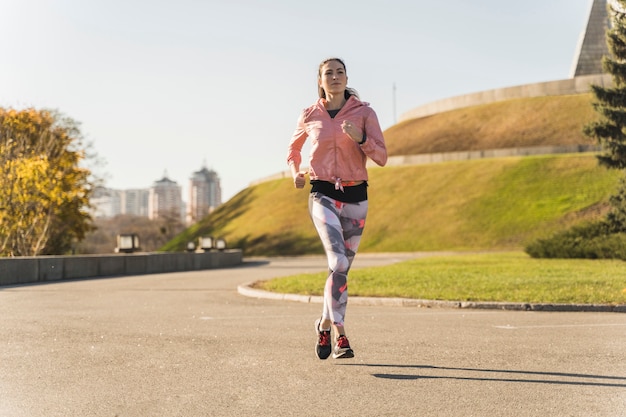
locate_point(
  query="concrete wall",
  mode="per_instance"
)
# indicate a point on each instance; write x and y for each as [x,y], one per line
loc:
[434,158]
[577,85]
[25,270]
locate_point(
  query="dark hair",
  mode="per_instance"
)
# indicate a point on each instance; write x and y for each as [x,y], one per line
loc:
[349,91]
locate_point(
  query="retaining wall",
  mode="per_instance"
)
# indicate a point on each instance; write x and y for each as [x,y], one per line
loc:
[434,158]
[25,270]
[576,85]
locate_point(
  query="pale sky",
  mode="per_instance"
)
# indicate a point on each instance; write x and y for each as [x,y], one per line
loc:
[168,86]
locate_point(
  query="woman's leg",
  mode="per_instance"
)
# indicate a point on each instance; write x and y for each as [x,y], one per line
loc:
[340,227]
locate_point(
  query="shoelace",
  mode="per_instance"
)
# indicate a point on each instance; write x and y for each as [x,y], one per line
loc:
[342,342]
[324,338]
[338,184]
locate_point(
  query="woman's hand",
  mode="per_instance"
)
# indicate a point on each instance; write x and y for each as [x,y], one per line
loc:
[298,180]
[351,130]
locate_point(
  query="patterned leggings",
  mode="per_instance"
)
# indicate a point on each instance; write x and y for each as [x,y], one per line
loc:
[340,226]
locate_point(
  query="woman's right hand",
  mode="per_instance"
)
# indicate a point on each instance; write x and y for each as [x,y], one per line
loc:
[298,180]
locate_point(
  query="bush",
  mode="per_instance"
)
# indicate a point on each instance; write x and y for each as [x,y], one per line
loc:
[588,241]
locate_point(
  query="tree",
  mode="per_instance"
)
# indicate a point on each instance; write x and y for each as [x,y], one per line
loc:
[44,190]
[605,237]
[610,102]
[153,233]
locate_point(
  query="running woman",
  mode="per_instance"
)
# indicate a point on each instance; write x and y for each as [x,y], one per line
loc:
[344,132]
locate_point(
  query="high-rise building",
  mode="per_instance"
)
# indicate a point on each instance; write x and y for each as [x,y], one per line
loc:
[165,199]
[205,194]
[135,201]
[105,202]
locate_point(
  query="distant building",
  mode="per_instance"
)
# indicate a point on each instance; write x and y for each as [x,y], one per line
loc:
[135,202]
[165,199]
[205,194]
[106,202]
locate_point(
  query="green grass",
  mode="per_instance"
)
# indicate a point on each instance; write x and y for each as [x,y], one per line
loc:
[506,277]
[491,204]
[487,204]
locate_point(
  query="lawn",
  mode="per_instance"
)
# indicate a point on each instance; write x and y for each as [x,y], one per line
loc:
[505,277]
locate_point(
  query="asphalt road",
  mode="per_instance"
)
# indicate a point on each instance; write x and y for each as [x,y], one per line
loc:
[188,344]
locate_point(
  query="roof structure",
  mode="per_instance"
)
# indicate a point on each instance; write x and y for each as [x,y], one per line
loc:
[592,45]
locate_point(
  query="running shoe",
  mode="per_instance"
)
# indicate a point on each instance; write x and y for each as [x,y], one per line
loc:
[322,346]
[342,348]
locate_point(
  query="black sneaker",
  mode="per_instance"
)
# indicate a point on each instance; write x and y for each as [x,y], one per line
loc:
[322,346]
[342,348]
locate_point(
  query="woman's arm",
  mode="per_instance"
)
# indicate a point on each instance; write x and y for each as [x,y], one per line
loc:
[374,145]
[294,156]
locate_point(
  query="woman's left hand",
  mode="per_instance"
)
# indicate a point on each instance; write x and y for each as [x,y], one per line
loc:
[351,130]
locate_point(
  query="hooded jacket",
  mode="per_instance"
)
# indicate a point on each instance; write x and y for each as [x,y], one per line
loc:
[334,156]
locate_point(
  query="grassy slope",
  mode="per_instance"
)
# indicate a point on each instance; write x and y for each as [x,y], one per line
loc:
[485,204]
[537,121]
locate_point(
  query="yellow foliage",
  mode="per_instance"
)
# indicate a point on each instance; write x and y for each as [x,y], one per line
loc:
[41,184]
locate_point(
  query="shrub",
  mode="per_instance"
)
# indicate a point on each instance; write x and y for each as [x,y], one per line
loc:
[590,241]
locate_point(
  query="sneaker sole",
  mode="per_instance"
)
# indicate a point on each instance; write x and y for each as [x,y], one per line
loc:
[344,355]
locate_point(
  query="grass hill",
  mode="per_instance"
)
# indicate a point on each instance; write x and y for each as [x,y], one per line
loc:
[498,203]
[536,121]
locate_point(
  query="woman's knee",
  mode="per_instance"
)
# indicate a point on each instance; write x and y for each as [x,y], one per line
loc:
[340,263]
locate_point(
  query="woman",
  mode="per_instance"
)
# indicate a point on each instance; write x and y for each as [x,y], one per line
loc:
[344,131]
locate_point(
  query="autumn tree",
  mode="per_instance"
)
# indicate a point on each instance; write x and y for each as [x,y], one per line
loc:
[44,189]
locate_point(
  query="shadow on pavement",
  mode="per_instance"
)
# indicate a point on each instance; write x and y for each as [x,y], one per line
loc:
[496,371]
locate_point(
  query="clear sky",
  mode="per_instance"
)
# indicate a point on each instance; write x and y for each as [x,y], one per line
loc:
[169,86]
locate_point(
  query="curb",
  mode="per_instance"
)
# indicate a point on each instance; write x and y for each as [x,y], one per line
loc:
[248,291]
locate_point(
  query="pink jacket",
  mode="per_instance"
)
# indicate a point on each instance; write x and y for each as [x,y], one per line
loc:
[334,155]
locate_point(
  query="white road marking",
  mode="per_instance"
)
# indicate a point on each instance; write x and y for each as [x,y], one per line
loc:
[554,326]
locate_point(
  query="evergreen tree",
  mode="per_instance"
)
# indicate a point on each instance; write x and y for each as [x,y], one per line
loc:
[605,237]
[616,218]
[610,102]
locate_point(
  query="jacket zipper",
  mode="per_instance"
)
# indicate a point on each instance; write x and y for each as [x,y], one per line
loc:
[338,185]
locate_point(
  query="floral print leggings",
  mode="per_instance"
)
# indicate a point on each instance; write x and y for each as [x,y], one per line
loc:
[340,227]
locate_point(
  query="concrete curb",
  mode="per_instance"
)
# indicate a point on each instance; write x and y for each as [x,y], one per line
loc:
[248,291]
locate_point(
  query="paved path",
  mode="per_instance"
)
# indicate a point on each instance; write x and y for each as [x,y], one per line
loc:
[187,344]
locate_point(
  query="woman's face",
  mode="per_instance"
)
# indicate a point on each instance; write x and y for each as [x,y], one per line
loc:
[333,78]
